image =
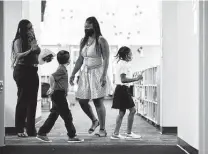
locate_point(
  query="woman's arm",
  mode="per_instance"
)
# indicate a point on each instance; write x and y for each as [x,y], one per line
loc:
[105,54]
[124,79]
[78,65]
[18,50]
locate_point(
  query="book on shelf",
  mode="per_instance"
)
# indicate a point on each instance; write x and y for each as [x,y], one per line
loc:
[146,91]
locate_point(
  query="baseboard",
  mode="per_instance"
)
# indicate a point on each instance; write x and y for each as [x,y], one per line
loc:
[12,130]
[1,150]
[149,121]
[168,130]
[187,147]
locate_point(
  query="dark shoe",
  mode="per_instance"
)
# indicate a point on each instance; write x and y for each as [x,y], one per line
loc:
[75,140]
[43,138]
[95,124]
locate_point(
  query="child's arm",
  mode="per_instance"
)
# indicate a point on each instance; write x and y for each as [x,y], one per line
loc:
[124,79]
[52,84]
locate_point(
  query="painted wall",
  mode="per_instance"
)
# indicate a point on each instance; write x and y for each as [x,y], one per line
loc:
[188,74]
[168,107]
[180,70]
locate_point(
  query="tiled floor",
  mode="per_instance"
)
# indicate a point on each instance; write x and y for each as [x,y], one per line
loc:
[150,135]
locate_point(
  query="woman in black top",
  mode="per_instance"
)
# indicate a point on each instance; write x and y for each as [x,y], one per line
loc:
[25,52]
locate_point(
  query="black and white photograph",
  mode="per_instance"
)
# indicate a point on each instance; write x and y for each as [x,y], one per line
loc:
[103,77]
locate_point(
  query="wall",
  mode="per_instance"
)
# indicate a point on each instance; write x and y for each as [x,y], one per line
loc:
[1,76]
[150,57]
[12,10]
[168,107]
[16,10]
[180,70]
[188,75]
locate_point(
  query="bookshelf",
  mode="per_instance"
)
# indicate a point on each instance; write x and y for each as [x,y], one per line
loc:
[147,95]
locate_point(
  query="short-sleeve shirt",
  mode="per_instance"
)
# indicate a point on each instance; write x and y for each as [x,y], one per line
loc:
[122,67]
[30,59]
[61,78]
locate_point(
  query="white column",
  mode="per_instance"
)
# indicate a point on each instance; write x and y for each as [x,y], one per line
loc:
[168,101]
[188,73]
[203,75]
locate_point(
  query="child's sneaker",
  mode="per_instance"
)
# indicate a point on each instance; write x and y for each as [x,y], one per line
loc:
[75,140]
[117,137]
[133,136]
[43,138]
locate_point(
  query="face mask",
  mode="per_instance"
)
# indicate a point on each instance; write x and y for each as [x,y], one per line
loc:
[89,32]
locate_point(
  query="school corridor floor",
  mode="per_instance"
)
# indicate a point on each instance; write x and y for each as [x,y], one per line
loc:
[152,140]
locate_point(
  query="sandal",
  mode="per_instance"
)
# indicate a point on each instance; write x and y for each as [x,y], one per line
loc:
[95,124]
[22,135]
[102,133]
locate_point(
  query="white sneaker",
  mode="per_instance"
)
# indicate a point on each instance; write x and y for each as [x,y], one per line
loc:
[117,137]
[133,136]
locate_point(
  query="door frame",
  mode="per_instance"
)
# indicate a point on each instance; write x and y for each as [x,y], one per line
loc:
[203,77]
[2,130]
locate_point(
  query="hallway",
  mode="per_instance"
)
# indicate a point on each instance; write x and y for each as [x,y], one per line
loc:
[152,142]
[150,134]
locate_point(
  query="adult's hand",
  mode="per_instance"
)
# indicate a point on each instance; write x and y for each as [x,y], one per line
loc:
[103,80]
[71,80]
[34,47]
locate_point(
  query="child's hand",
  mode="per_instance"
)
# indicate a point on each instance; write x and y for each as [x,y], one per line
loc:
[140,77]
[50,91]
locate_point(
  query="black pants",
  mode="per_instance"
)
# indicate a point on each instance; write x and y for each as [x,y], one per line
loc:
[59,107]
[27,81]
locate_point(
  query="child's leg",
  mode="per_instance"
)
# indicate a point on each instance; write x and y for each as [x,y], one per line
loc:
[119,121]
[50,121]
[65,114]
[132,112]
